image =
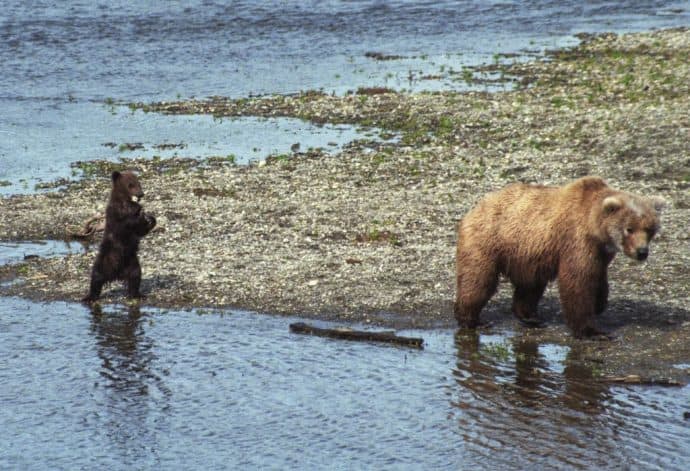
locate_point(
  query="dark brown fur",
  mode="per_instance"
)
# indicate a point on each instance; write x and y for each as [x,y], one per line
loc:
[534,234]
[125,224]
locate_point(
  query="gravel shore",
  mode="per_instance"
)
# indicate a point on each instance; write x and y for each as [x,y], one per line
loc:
[368,235]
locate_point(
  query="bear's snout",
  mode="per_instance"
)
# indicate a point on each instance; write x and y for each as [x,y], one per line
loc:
[642,253]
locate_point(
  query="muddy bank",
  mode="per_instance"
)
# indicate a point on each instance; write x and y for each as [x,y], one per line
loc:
[368,235]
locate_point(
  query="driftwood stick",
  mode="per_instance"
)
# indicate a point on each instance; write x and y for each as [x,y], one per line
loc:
[361,335]
[635,379]
[94,224]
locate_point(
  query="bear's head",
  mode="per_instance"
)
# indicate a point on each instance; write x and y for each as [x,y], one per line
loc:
[126,186]
[631,222]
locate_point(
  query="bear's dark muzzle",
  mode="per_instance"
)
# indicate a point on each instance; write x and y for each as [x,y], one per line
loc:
[642,253]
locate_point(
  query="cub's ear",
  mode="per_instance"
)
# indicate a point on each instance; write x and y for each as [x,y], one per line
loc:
[611,204]
[115,176]
[657,202]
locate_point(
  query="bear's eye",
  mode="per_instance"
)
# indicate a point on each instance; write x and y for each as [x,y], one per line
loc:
[131,185]
[628,230]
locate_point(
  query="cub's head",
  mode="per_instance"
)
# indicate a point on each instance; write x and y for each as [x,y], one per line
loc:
[126,186]
[631,222]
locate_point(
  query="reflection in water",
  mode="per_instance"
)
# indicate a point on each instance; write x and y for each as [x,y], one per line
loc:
[132,389]
[516,407]
[124,389]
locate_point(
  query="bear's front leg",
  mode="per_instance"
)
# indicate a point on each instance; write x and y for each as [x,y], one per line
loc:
[474,288]
[602,294]
[150,222]
[578,289]
[142,223]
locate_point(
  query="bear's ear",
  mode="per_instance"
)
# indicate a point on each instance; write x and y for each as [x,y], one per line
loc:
[115,176]
[611,204]
[658,203]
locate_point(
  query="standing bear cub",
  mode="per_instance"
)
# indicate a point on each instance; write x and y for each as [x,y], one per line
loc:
[534,234]
[125,224]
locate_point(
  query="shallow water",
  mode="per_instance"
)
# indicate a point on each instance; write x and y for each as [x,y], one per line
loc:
[130,50]
[38,148]
[14,252]
[63,60]
[140,389]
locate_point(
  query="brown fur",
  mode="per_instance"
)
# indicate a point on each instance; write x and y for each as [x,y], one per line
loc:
[535,234]
[125,224]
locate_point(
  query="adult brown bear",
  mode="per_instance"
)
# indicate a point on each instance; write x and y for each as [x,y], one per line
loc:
[125,224]
[534,234]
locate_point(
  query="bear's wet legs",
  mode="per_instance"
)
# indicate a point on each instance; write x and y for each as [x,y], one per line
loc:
[578,306]
[97,282]
[132,277]
[472,293]
[525,301]
[602,299]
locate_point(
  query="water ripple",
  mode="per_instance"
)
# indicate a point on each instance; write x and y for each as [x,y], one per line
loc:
[128,388]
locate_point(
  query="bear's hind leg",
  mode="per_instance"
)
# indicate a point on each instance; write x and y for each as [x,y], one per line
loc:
[99,277]
[473,291]
[97,282]
[525,301]
[132,276]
